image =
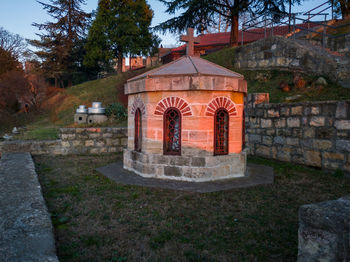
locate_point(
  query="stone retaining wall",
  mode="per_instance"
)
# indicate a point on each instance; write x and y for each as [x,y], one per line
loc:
[73,141]
[314,133]
[93,140]
[280,53]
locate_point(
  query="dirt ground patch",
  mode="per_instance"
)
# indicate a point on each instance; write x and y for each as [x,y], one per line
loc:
[96,219]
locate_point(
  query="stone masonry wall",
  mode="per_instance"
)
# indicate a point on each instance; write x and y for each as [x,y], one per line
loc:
[93,140]
[280,53]
[74,141]
[313,133]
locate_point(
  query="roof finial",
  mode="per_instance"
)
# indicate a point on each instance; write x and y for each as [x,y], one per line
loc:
[191,40]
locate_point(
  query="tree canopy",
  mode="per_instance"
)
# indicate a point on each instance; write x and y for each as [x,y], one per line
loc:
[120,28]
[200,14]
[60,38]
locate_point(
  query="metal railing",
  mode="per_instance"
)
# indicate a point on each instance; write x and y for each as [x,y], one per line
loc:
[295,23]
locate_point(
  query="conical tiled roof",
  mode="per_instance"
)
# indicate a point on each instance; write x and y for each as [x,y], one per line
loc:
[189,66]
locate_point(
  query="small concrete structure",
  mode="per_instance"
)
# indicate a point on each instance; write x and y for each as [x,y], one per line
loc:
[185,121]
[93,115]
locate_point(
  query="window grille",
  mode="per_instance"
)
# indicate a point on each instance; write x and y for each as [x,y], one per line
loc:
[138,130]
[172,132]
[221,127]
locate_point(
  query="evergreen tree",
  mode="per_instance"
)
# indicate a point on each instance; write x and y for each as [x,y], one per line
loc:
[199,13]
[120,28]
[60,38]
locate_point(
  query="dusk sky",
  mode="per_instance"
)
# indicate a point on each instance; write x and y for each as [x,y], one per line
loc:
[17,16]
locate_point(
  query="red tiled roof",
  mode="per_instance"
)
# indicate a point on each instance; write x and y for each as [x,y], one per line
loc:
[248,36]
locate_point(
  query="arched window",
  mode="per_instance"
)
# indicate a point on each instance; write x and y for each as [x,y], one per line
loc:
[172,132]
[221,126]
[138,130]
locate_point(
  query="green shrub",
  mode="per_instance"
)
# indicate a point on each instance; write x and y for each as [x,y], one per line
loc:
[117,110]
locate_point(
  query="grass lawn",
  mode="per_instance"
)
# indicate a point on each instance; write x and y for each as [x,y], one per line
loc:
[96,219]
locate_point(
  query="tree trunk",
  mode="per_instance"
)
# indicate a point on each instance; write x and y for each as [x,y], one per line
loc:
[345,8]
[290,12]
[120,63]
[234,30]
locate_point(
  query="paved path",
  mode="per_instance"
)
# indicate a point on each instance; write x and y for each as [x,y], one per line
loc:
[256,175]
[26,232]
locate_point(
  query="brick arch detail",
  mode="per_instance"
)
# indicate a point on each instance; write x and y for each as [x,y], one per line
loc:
[221,102]
[173,101]
[138,103]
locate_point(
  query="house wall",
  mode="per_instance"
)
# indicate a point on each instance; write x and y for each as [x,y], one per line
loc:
[197,126]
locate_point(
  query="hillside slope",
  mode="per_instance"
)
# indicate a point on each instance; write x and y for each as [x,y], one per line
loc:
[58,110]
[268,81]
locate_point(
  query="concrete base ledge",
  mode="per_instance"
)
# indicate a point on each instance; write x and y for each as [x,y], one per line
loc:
[25,225]
[185,168]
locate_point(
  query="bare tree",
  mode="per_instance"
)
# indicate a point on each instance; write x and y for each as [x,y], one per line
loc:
[12,43]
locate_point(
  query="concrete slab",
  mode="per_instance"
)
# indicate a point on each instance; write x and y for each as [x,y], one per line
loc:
[26,232]
[256,175]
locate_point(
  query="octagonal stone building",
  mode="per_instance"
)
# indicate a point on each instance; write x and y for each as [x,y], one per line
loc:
[185,122]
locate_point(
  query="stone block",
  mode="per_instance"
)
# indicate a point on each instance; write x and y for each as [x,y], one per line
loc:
[280,122]
[273,113]
[254,138]
[297,110]
[159,159]
[322,144]
[315,110]
[285,111]
[309,132]
[270,131]
[180,160]
[104,150]
[284,154]
[112,149]
[266,123]
[94,150]
[124,141]
[343,145]
[292,141]
[67,136]
[325,133]
[107,135]
[279,140]
[317,121]
[172,171]
[329,109]
[308,143]
[94,135]
[198,161]
[267,140]
[324,230]
[342,109]
[333,156]
[65,144]
[297,132]
[312,158]
[100,143]
[342,124]
[293,122]
[263,151]
[76,143]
